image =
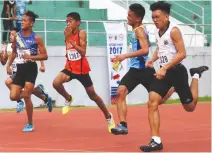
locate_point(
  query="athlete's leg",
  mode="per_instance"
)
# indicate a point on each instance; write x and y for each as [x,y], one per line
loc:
[40,93]
[158,89]
[61,78]
[170,92]
[37,93]
[28,89]
[86,81]
[9,82]
[121,104]
[16,92]
[98,100]
[30,80]
[189,96]
[131,79]
[153,112]
[58,85]
[20,103]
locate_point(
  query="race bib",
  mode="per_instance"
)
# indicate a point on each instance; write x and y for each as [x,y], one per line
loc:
[20,55]
[27,51]
[73,55]
[163,60]
[14,67]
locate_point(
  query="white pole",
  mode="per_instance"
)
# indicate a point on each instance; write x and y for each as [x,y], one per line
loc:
[0,31]
[127,5]
[45,33]
[87,31]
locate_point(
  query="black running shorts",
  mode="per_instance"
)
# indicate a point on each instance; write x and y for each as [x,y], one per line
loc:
[26,72]
[178,78]
[84,79]
[135,77]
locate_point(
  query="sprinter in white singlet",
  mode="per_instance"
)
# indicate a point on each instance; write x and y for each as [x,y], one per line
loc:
[172,73]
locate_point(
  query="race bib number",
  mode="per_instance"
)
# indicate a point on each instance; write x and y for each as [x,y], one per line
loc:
[20,55]
[73,55]
[163,60]
[14,67]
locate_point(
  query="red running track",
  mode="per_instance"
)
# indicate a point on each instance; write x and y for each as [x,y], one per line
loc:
[85,130]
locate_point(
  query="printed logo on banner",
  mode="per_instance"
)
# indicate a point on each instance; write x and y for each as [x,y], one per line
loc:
[110,37]
[121,37]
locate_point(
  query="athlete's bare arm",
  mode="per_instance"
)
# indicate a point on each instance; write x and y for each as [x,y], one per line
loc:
[83,43]
[4,58]
[42,49]
[42,65]
[155,55]
[154,58]
[141,36]
[177,39]
[11,58]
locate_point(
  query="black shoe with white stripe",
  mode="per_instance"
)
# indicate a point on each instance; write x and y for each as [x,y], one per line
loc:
[152,146]
[198,70]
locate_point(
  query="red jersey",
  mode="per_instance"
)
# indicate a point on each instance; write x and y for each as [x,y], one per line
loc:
[75,63]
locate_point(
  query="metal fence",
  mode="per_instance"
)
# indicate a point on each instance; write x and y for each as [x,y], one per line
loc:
[193,36]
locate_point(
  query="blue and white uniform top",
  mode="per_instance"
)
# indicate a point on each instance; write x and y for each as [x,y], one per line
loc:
[25,45]
[134,45]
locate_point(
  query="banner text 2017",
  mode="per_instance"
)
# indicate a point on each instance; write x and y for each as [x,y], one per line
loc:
[115,50]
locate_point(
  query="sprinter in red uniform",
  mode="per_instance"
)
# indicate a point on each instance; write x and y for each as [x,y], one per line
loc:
[77,67]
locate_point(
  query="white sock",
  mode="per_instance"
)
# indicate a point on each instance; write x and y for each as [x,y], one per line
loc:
[156,139]
[196,76]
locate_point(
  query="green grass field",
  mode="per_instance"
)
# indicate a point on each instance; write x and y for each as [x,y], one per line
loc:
[175,101]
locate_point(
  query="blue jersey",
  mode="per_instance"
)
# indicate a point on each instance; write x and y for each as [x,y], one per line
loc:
[25,45]
[21,8]
[134,45]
